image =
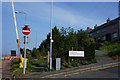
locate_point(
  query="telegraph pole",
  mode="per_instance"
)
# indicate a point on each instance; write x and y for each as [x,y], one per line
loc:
[51,38]
[119,8]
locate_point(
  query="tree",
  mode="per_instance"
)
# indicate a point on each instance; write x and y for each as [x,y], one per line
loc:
[82,36]
[35,53]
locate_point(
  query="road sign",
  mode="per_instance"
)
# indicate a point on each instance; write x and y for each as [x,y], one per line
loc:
[26,30]
[27,39]
[76,53]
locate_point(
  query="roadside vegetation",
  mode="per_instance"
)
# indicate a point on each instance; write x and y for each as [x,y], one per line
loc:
[112,49]
[32,63]
[65,40]
[72,64]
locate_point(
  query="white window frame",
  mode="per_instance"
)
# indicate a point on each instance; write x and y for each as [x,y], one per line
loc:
[103,37]
[115,35]
[98,31]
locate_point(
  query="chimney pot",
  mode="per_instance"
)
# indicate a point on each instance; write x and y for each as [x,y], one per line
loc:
[108,20]
[88,28]
[95,26]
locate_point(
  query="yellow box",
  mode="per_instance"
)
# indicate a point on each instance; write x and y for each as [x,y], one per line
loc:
[22,62]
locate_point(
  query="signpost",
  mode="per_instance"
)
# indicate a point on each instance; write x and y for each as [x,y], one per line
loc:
[25,31]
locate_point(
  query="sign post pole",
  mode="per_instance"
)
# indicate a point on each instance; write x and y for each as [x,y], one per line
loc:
[25,31]
[24,55]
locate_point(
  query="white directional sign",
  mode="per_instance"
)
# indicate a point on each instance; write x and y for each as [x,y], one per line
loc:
[76,53]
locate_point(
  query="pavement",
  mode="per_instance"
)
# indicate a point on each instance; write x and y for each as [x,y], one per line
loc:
[5,69]
[105,68]
[0,69]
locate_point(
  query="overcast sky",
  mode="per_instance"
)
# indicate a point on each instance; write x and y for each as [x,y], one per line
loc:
[78,15]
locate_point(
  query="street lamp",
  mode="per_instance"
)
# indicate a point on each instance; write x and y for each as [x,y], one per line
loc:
[51,40]
[22,13]
[25,42]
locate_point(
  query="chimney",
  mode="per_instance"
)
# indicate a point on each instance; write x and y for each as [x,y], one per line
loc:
[88,28]
[95,26]
[108,20]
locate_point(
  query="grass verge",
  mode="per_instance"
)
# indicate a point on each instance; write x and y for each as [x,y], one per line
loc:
[113,50]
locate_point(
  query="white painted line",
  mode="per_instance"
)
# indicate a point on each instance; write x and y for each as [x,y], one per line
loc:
[25,31]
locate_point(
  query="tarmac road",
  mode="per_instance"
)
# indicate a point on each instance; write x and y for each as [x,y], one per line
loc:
[111,72]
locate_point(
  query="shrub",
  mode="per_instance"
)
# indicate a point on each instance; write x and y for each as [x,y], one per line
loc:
[89,49]
[85,63]
[74,64]
[62,67]
[15,61]
[114,52]
[106,42]
[15,66]
[94,60]
[17,72]
[52,69]
[112,49]
[30,66]
[46,69]
[37,62]
[68,65]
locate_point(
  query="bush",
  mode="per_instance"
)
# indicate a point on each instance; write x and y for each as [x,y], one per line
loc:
[46,69]
[52,69]
[17,72]
[94,60]
[15,61]
[89,49]
[85,63]
[15,66]
[62,67]
[74,64]
[106,42]
[112,49]
[37,62]
[30,66]
[114,52]
[68,65]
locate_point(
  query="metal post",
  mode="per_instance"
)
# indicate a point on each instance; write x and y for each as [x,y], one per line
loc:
[51,39]
[119,9]
[24,55]
[48,59]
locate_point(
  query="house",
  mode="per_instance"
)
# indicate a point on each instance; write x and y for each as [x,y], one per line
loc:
[109,31]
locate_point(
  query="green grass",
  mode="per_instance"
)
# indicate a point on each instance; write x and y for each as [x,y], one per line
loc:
[113,50]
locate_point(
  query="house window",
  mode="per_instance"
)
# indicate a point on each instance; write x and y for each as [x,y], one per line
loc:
[98,38]
[115,35]
[104,29]
[114,25]
[90,34]
[98,31]
[103,38]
